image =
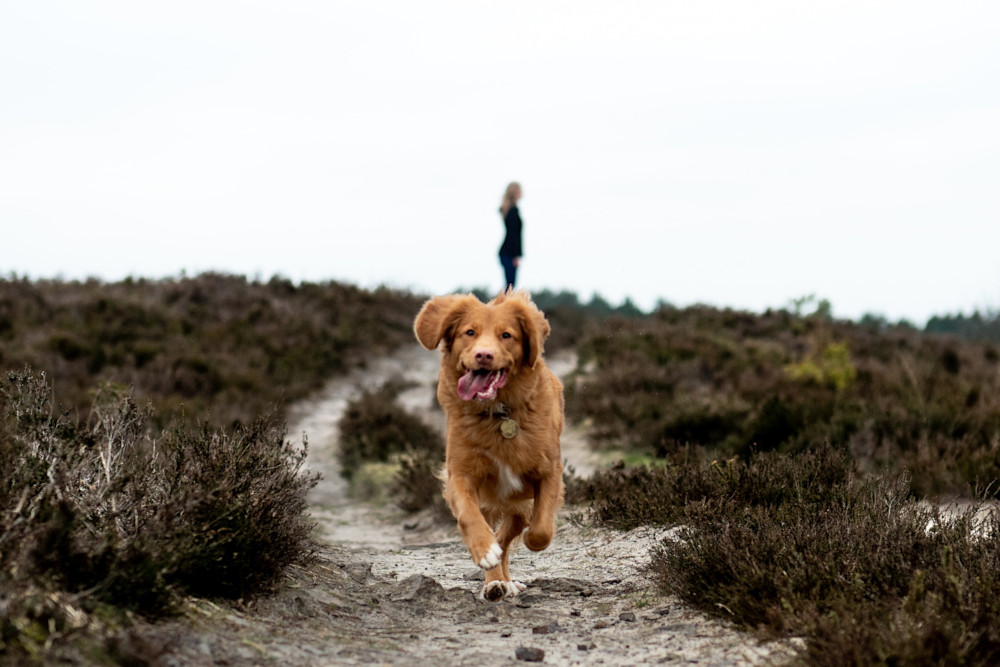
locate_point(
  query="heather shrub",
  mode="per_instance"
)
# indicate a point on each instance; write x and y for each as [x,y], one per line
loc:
[376,429]
[218,346]
[417,484]
[737,382]
[802,545]
[860,570]
[99,515]
[688,481]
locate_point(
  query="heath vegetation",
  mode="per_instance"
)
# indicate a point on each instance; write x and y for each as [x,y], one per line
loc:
[794,457]
[379,436]
[894,398]
[142,449]
[215,346]
[101,518]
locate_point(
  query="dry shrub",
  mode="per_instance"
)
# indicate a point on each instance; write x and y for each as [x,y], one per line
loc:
[212,344]
[738,382]
[874,578]
[417,484]
[101,515]
[687,482]
[376,429]
[800,545]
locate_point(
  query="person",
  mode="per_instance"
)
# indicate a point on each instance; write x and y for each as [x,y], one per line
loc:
[511,251]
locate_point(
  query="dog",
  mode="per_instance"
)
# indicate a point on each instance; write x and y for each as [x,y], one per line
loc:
[505,414]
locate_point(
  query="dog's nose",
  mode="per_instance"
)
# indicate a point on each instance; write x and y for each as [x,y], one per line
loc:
[484,357]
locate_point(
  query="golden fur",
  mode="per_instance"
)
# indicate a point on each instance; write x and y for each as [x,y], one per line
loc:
[491,371]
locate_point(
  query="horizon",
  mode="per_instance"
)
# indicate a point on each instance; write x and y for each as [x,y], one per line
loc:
[735,155]
[804,305]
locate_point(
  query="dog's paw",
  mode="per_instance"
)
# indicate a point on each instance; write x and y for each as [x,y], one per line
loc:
[494,591]
[498,590]
[492,557]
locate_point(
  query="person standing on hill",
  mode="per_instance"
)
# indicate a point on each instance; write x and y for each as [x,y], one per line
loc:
[510,251]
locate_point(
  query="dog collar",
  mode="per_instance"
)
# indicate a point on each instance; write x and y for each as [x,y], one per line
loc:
[508,427]
[496,410]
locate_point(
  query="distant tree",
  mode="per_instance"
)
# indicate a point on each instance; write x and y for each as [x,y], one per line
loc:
[823,308]
[547,299]
[629,309]
[599,306]
[974,327]
[874,322]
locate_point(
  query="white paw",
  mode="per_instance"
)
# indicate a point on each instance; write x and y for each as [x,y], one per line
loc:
[492,557]
[493,591]
[497,590]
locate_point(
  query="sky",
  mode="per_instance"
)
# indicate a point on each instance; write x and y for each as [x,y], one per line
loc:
[731,153]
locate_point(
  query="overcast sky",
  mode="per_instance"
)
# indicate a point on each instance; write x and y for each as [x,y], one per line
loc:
[734,153]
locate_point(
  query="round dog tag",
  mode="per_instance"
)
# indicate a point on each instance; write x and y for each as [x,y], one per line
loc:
[509,428]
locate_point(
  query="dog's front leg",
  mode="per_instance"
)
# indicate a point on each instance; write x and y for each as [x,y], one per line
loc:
[548,497]
[463,498]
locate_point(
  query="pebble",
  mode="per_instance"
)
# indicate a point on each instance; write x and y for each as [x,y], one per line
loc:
[547,629]
[529,654]
[627,616]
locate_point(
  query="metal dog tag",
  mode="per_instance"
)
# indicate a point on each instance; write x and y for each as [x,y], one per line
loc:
[509,428]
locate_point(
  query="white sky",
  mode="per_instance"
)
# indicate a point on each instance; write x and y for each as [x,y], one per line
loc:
[726,152]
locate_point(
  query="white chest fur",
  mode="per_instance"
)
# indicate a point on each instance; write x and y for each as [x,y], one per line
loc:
[509,483]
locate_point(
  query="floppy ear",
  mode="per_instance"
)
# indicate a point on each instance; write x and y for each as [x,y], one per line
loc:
[436,317]
[534,329]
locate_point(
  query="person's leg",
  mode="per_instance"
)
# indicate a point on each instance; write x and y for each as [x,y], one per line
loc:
[509,270]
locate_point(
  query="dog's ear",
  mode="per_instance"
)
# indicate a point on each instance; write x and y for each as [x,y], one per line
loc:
[436,319]
[534,330]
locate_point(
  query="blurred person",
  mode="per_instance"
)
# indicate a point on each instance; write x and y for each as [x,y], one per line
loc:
[510,251]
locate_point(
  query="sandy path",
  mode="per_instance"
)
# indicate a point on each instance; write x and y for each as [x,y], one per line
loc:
[389,588]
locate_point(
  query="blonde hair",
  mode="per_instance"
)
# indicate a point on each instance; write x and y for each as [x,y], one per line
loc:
[510,197]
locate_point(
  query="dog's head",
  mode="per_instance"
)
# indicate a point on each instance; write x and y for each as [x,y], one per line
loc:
[485,345]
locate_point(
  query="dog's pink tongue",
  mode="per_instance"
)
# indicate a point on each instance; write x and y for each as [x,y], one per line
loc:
[471,384]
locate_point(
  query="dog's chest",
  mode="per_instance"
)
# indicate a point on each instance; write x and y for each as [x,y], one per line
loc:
[508,482]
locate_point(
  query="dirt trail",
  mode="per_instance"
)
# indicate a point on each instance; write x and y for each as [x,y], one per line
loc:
[388,588]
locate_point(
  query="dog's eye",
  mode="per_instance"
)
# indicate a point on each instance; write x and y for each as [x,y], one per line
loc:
[506,334]
[470,332]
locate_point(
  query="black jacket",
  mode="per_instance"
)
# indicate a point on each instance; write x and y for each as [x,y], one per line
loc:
[512,244]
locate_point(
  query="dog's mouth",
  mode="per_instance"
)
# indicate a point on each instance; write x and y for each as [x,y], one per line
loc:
[481,384]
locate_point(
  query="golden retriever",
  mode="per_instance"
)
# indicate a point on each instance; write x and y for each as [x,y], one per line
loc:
[504,409]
